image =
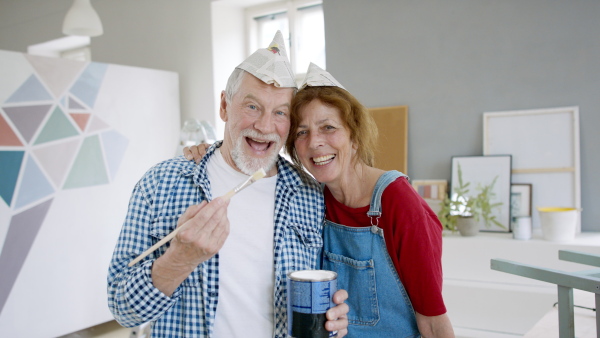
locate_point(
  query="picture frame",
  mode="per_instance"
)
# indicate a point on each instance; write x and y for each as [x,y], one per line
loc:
[481,171]
[520,199]
[432,191]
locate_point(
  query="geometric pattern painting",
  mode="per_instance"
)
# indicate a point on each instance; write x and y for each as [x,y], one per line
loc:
[75,137]
[47,144]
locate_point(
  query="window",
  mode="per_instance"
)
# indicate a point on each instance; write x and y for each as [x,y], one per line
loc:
[302,26]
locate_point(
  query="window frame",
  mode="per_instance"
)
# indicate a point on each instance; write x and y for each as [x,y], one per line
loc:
[291,8]
[68,47]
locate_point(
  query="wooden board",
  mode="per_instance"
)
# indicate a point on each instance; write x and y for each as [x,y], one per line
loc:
[544,144]
[392,151]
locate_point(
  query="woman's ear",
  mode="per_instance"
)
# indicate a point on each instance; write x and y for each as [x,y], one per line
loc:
[223,107]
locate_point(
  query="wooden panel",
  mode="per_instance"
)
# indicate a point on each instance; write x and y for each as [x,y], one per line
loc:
[392,151]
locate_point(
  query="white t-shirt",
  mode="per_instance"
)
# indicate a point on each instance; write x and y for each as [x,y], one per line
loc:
[246,272]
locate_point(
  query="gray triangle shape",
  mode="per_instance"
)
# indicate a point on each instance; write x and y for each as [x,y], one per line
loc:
[22,231]
[27,119]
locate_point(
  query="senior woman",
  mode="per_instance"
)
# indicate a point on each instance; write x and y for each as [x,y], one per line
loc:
[380,236]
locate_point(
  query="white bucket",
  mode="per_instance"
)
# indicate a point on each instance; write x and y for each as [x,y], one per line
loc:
[558,224]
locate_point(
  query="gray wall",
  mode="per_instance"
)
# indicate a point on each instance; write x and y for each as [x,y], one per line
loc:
[159,34]
[452,60]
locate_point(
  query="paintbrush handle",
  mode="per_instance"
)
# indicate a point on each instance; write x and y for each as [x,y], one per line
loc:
[155,246]
[228,195]
[170,236]
[258,175]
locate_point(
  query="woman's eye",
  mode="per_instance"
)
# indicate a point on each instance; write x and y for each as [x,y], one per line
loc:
[301,133]
[329,127]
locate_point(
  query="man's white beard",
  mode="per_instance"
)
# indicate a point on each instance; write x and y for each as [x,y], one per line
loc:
[250,164]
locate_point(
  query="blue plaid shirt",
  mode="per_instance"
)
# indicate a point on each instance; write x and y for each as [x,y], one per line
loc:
[157,202]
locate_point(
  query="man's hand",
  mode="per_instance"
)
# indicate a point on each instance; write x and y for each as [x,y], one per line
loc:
[205,228]
[196,152]
[203,232]
[337,317]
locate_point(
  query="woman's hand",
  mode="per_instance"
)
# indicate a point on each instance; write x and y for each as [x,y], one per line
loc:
[196,152]
[337,316]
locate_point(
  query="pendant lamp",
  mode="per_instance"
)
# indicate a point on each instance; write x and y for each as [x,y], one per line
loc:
[82,20]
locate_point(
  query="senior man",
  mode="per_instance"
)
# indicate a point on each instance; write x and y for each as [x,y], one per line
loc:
[224,274]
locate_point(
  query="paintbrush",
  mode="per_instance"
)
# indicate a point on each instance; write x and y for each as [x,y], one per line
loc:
[255,177]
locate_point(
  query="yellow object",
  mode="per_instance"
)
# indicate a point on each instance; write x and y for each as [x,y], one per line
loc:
[558,224]
[554,209]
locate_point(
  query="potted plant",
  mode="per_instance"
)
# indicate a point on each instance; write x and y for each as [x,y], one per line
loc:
[462,211]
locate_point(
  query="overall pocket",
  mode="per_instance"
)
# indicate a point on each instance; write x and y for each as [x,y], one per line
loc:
[358,278]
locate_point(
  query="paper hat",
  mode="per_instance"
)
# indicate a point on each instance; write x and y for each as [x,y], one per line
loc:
[271,64]
[318,77]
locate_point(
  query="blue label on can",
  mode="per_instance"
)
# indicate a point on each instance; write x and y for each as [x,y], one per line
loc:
[312,297]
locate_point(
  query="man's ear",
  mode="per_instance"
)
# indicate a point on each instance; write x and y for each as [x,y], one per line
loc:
[223,107]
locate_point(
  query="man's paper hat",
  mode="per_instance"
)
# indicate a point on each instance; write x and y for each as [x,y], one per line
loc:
[318,77]
[271,64]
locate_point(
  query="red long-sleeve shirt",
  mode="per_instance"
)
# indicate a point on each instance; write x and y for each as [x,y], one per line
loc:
[413,236]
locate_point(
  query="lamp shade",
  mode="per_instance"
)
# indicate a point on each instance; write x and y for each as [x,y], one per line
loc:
[82,20]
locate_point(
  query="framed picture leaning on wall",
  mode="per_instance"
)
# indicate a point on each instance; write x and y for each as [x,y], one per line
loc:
[481,171]
[520,201]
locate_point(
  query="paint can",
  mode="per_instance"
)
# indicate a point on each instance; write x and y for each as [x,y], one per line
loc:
[310,295]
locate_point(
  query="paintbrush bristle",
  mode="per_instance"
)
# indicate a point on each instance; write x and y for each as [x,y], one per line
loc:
[260,173]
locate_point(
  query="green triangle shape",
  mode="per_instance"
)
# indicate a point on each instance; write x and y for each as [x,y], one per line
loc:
[57,127]
[88,168]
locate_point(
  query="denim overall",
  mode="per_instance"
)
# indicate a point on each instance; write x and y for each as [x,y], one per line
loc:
[379,304]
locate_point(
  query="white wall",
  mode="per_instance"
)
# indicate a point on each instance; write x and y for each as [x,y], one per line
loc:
[158,34]
[228,48]
[452,60]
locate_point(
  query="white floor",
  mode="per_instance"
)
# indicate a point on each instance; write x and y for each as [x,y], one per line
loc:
[546,328]
[114,330]
[107,330]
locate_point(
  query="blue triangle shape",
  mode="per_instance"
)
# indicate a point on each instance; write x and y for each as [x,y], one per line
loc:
[89,82]
[10,165]
[114,145]
[34,185]
[31,90]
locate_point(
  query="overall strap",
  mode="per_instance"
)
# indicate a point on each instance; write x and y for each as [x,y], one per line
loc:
[382,183]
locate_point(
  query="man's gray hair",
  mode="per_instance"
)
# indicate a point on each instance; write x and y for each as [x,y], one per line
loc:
[233,84]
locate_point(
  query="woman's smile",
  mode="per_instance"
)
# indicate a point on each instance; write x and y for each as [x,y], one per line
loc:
[323,160]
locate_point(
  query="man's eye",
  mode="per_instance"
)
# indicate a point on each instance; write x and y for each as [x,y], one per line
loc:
[251,106]
[280,113]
